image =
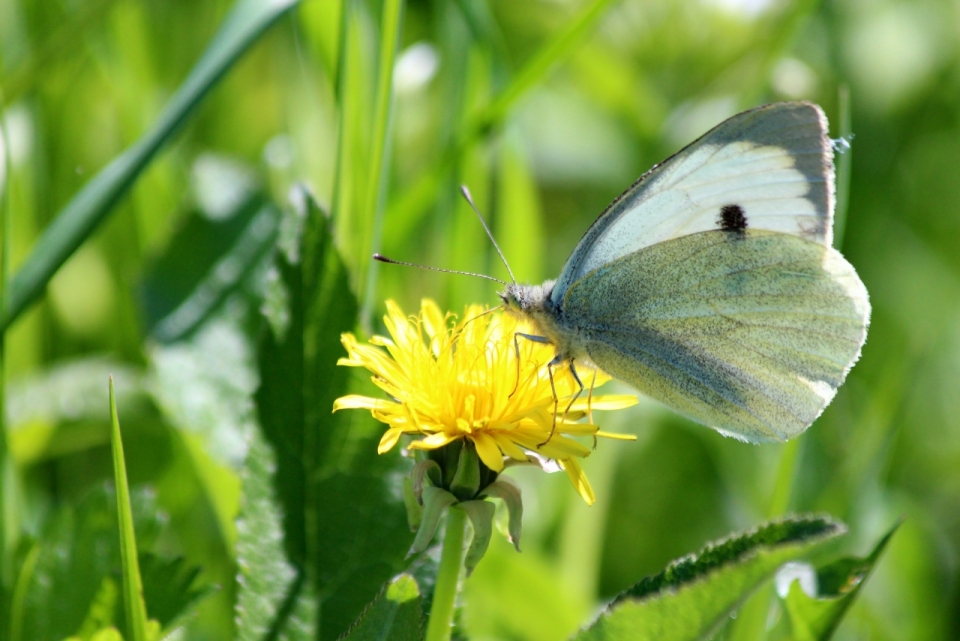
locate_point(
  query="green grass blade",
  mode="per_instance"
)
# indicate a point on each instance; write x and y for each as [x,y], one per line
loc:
[343,112]
[136,611]
[561,46]
[76,221]
[6,571]
[416,199]
[380,156]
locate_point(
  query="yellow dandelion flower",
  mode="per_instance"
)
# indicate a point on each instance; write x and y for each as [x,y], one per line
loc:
[450,381]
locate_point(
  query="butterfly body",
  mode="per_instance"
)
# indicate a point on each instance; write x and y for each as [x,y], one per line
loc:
[711,285]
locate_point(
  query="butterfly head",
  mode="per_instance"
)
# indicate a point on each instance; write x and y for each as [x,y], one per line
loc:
[526,300]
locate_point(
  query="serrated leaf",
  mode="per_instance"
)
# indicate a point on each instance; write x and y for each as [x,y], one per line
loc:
[839,582]
[694,594]
[395,614]
[342,521]
[65,572]
[170,588]
[266,580]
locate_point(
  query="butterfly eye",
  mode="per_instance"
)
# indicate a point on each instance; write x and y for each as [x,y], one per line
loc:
[510,299]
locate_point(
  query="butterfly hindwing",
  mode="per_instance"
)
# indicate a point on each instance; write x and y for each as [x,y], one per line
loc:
[769,168]
[750,332]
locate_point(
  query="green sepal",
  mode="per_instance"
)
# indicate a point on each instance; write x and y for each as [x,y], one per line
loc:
[480,513]
[838,583]
[508,492]
[435,502]
[425,471]
[466,482]
[447,457]
[414,508]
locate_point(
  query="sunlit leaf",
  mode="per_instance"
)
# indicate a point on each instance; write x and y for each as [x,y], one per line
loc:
[395,614]
[689,599]
[211,253]
[816,617]
[266,579]
[341,518]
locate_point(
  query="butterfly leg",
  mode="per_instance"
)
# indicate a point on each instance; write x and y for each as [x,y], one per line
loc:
[516,348]
[593,383]
[556,399]
[573,370]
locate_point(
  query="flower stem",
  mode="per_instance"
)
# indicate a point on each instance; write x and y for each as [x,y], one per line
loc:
[448,574]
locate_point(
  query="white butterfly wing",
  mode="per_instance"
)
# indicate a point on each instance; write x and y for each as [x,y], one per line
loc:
[749,332]
[775,163]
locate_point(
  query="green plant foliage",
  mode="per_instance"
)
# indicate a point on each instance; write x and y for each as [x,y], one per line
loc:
[395,614]
[95,201]
[271,597]
[341,525]
[210,256]
[218,309]
[690,599]
[67,566]
[172,588]
[134,608]
[816,617]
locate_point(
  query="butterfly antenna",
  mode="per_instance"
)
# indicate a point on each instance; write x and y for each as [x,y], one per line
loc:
[469,198]
[390,261]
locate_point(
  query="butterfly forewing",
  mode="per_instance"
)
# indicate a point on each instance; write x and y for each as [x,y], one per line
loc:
[769,168]
[750,332]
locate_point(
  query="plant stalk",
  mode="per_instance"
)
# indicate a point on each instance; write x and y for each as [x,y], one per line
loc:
[448,576]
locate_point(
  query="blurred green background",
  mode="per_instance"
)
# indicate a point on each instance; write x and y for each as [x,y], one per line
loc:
[547,109]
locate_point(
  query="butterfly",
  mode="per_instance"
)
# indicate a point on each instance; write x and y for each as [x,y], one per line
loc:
[711,284]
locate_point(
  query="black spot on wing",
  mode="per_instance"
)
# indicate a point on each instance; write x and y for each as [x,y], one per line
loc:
[732,218]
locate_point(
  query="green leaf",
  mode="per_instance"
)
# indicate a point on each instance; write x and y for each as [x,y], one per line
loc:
[171,588]
[395,614]
[91,205]
[136,611]
[343,523]
[266,580]
[815,618]
[67,566]
[102,608]
[211,253]
[39,429]
[694,594]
